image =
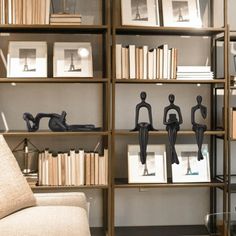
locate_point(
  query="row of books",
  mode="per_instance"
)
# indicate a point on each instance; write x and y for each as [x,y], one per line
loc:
[233,122]
[146,63]
[194,73]
[65,19]
[24,11]
[73,168]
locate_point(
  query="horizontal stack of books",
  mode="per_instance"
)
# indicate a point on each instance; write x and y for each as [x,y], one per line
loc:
[194,73]
[73,168]
[146,63]
[24,11]
[65,19]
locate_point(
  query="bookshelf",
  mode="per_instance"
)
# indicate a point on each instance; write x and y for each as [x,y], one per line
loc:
[96,88]
[121,135]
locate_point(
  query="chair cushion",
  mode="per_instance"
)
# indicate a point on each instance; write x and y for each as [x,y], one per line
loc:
[46,220]
[15,192]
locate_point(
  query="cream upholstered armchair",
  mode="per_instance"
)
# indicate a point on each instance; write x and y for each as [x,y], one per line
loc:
[23,213]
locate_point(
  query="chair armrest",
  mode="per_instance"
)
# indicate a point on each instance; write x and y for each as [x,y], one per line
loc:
[62,199]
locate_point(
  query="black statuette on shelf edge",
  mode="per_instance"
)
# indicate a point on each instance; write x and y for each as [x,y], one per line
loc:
[143,127]
[199,129]
[172,126]
[57,123]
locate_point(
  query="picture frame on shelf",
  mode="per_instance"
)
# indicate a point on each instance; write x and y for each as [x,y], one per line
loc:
[181,13]
[27,59]
[140,12]
[189,168]
[154,171]
[72,59]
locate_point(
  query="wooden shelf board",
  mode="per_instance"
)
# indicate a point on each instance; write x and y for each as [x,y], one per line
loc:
[170,81]
[50,133]
[53,80]
[91,29]
[164,132]
[123,183]
[162,230]
[180,31]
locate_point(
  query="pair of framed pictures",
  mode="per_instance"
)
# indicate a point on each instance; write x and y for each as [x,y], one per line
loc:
[29,59]
[177,13]
[155,171]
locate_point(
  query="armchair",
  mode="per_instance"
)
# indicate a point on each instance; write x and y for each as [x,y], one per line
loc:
[23,213]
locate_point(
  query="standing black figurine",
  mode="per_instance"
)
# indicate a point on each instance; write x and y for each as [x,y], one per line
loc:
[199,129]
[172,126]
[143,127]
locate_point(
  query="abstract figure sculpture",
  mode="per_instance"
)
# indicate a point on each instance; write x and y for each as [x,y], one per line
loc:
[199,129]
[143,127]
[56,123]
[172,126]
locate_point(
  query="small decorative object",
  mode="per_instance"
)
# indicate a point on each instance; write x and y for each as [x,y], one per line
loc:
[140,12]
[189,168]
[199,129]
[27,59]
[182,13]
[72,60]
[143,127]
[153,171]
[172,126]
[56,123]
[27,156]
[63,6]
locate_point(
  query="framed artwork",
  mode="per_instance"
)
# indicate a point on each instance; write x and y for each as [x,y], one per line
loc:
[140,12]
[190,169]
[182,13]
[72,59]
[154,171]
[27,59]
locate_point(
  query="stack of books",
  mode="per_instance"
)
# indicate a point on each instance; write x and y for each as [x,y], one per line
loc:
[65,19]
[146,63]
[194,73]
[73,168]
[24,11]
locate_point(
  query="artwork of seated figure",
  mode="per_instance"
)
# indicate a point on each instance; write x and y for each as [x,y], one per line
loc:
[56,123]
[143,127]
[172,126]
[199,129]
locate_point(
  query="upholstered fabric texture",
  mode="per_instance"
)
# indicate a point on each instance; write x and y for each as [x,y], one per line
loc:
[15,192]
[46,220]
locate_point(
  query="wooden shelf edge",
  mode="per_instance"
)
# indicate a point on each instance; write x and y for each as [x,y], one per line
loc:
[35,187]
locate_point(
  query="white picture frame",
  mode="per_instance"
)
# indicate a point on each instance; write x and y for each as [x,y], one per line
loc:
[27,59]
[140,12]
[72,59]
[156,164]
[189,168]
[181,13]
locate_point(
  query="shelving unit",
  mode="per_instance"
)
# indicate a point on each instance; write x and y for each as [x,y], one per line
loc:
[121,136]
[101,32]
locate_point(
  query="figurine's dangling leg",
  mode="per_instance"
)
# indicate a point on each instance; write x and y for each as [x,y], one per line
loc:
[199,136]
[143,141]
[172,134]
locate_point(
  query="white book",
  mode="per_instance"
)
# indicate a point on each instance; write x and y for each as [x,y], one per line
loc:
[124,63]
[151,64]
[106,166]
[10,12]
[40,169]
[194,78]
[101,170]
[132,69]
[159,63]
[145,63]
[154,63]
[46,167]
[73,167]
[82,167]
[193,69]
[169,64]
[47,11]
[59,174]
[96,160]
[118,61]
[165,61]
[67,169]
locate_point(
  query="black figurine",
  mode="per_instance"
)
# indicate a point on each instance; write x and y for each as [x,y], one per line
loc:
[172,126]
[143,127]
[199,129]
[56,123]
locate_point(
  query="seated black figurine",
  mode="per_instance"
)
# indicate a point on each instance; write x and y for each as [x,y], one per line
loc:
[172,126]
[56,123]
[143,127]
[199,129]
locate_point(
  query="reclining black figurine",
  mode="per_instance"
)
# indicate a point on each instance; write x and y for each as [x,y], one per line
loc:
[199,129]
[143,127]
[172,126]
[56,123]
